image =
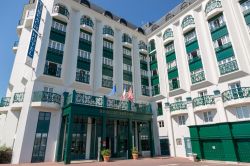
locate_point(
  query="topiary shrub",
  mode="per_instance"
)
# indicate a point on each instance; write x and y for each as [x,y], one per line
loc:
[5,155]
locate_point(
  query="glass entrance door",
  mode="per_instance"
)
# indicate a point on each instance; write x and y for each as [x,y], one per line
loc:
[188,146]
[122,144]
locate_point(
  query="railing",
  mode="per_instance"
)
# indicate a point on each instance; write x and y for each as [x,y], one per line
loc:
[168,34]
[213,4]
[189,20]
[61,9]
[104,102]
[5,102]
[178,106]
[87,21]
[47,97]
[198,77]
[84,78]
[235,94]
[203,100]
[107,83]
[52,71]
[228,67]
[223,47]
[126,39]
[108,31]
[18,97]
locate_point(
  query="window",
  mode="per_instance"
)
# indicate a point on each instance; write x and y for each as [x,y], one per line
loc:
[85,36]
[196,71]
[242,112]
[154,73]
[161,123]
[144,73]
[178,141]
[224,61]
[245,6]
[126,51]
[172,65]
[107,44]
[107,61]
[208,117]
[181,120]
[152,58]
[143,57]
[83,54]
[202,93]
[56,45]
[58,26]
[48,89]
[190,36]
[52,69]
[169,47]
[174,83]
[107,78]
[222,41]
[194,54]
[218,22]
[178,99]
[127,85]
[127,67]
[82,72]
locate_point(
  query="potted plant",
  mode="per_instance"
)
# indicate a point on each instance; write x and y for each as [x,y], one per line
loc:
[106,155]
[135,153]
[5,155]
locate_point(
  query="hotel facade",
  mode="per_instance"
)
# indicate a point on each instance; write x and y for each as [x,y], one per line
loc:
[189,72]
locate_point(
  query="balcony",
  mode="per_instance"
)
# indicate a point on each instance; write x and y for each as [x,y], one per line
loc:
[4,105]
[104,102]
[107,83]
[87,24]
[60,12]
[52,71]
[236,96]
[15,47]
[108,33]
[83,78]
[127,40]
[198,77]
[46,100]
[188,24]
[204,103]
[18,97]
[228,67]
[168,36]
[213,8]
[178,108]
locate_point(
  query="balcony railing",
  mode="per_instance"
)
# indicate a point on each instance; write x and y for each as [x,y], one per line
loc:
[108,31]
[143,46]
[51,71]
[87,21]
[104,102]
[189,20]
[203,100]
[228,67]
[5,102]
[107,83]
[169,33]
[235,94]
[18,97]
[84,78]
[47,97]
[198,77]
[178,106]
[61,10]
[213,4]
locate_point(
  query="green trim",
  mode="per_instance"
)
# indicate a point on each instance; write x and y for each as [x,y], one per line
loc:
[170,57]
[173,74]
[83,65]
[107,71]
[195,65]
[155,81]
[219,32]
[59,21]
[144,66]
[54,56]
[224,52]
[145,81]
[107,53]
[154,65]
[127,60]
[127,76]
[85,45]
[192,46]
[57,36]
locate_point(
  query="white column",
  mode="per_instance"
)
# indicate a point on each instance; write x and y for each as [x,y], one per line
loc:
[136,69]
[192,120]
[220,107]
[69,64]
[170,131]
[97,73]
[118,62]
[88,141]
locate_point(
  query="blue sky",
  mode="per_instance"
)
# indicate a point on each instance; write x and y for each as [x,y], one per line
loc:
[136,11]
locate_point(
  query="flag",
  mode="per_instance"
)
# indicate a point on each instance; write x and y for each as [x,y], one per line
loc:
[124,94]
[113,91]
[130,95]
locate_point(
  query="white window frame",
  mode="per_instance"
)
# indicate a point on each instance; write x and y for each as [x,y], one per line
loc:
[190,36]
[213,24]
[58,26]
[85,36]
[56,45]
[107,61]
[84,54]
[169,48]
[208,117]
[182,120]
[242,113]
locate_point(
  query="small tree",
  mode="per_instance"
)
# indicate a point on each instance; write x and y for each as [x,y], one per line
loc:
[5,155]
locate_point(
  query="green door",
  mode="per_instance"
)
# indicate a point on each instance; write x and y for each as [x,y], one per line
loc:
[188,146]
[164,143]
[213,150]
[243,150]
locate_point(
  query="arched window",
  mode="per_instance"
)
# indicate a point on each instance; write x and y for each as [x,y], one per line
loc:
[85,2]
[168,33]
[151,45]
[86,20]
[142,45]
[212,4]
[188,20]
[126,38]
[108,30]
[59,8]
[108,14]
[123,21]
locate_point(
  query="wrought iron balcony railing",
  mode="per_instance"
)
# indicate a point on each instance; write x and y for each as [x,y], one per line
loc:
[47,97]
[235,94]
[18,97]
[203,100]
[84,78]
[178,106]
[228,67]
[61,10]
[5,102]
[198,77]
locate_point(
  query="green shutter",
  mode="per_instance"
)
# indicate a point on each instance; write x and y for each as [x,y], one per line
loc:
[57,58]
[85,45]
[144,81]
[226,53]
[107,53]
[195,66]
[107,71]
[83,65]
[127,76]
[171,57]
[57,36]
[127,60]
[247,18]
[155,81]
[173,74]
[153,66]
[192,46]
[217,34]
[144,66]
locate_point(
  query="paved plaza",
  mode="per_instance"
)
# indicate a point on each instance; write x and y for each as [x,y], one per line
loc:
[141,162]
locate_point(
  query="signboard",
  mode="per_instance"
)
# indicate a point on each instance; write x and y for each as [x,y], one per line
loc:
[34,33]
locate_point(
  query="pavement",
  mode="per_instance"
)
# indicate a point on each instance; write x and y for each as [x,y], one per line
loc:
[140,162]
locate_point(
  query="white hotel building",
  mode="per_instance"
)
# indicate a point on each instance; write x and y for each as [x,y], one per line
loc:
[189,72]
